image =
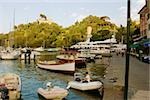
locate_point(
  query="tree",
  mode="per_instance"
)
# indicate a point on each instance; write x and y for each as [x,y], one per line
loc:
[53,35]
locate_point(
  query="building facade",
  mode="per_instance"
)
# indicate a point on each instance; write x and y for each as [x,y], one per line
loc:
[148,26]
[145,20]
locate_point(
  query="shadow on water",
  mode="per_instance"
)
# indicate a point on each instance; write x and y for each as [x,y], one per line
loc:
[89,94]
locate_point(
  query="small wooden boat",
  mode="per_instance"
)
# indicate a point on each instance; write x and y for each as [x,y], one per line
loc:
[10,84]
[55,93]
[57,65]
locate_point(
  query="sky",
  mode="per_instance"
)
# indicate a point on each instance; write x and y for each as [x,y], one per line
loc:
[64,12]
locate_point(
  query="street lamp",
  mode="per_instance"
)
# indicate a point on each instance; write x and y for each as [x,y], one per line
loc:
[127,52]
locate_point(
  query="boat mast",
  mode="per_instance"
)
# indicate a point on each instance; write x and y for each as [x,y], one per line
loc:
[13,28]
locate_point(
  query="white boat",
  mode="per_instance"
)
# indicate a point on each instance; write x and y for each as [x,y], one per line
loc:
[55,93]
[100,51]
[40,49]
[95,85]
[53,49]
[57,66]
[102,47]
[12,83]
[85,54]
[10,54]
[79,83]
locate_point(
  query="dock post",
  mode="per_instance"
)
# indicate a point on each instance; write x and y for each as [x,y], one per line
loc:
[25,59]
[34,58]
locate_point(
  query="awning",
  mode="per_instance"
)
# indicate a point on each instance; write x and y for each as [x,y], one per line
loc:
[135,45]
[147,44]
[144,42]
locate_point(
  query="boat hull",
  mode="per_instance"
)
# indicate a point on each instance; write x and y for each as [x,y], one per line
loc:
[9,56]
[66,67]
[54,93]
[12,82]
[85,86]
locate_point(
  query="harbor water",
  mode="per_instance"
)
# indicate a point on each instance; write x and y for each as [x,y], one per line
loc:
[33,78]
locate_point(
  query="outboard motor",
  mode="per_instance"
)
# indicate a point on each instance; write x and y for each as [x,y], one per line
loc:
[4,93]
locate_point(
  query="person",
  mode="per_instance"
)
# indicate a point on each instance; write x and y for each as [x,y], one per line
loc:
[49,86]
[87,77]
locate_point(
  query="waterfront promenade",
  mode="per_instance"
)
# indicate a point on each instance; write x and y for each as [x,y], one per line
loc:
[138,77]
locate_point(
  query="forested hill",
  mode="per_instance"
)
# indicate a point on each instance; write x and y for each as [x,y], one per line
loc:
[36,34]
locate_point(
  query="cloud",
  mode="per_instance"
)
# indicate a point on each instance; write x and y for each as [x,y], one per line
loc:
[136,5]
[140,2]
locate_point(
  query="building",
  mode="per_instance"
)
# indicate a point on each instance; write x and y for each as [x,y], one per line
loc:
[141,40]
[44,19]
[145,20]
[148,27]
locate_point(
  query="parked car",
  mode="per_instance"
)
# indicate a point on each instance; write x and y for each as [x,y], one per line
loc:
[146,59]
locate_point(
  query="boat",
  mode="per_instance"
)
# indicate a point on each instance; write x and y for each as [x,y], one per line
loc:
[95,85]
[57,65]
[39,49]
[71,55]
[52,93]
[66,58]
[104,47]
[85,54]
[10,85]
[81,85]
[53,49]
[10,54]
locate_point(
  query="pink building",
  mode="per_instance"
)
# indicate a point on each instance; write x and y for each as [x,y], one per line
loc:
[145,20]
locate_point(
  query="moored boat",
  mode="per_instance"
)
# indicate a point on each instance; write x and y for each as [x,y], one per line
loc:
[10,54]
[95,85]
[81,84]
[52,93]
[10,84]
[39,49]
[53,49]
[57,65]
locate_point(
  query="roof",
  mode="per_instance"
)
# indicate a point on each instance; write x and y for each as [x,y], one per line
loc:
[143,8]
[144,42]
